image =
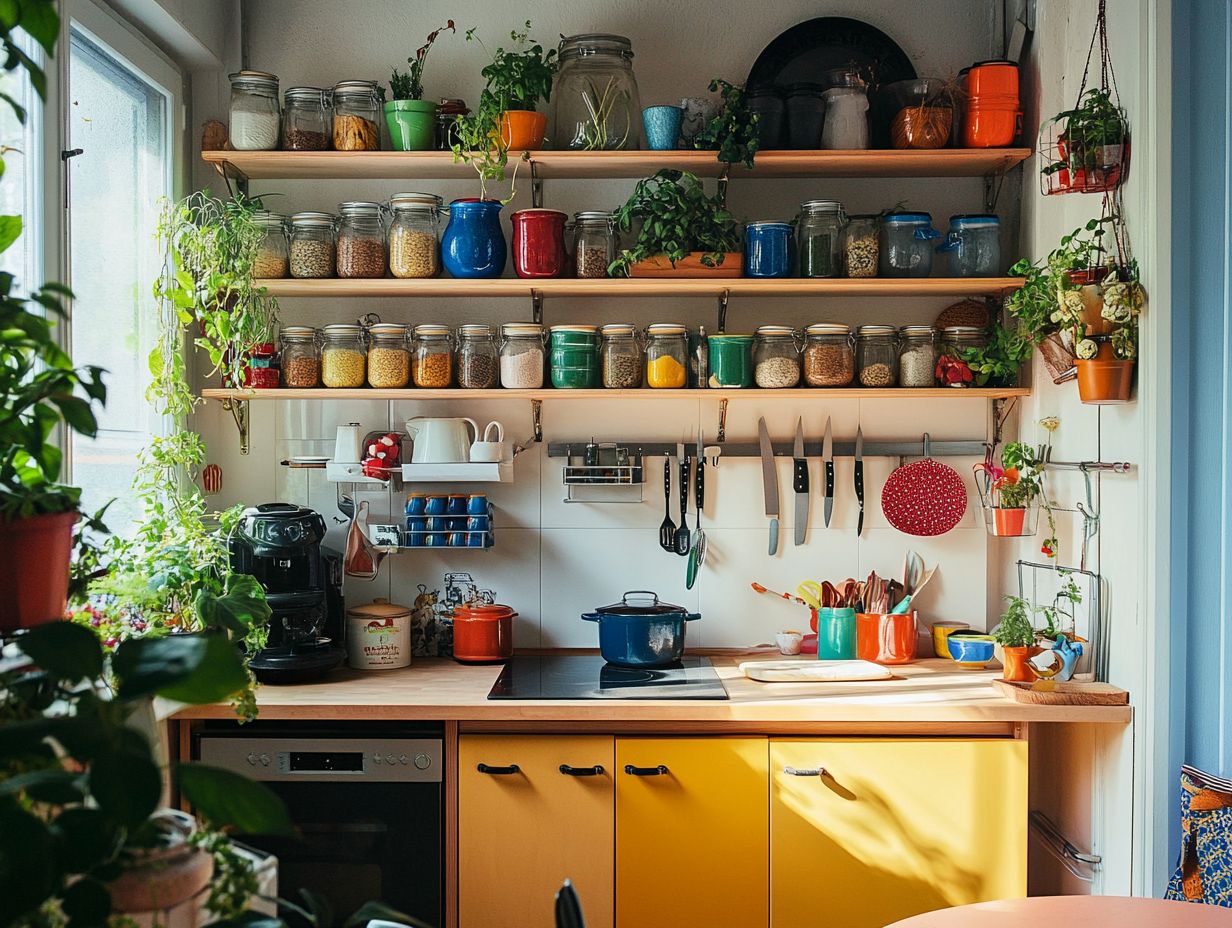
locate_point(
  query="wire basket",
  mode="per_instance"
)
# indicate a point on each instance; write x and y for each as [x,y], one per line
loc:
[1006,522]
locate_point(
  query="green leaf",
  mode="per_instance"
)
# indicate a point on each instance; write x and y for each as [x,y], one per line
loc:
[218,676]
[10,230]
[87,903]
[64,649]
[225,798]
[84,839]
[27,863]
[144,666]
[40,20]
[127,786]
[55,786]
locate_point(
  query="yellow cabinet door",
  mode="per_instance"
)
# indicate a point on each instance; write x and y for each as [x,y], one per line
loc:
[692,832]
[894,827]
[521,834]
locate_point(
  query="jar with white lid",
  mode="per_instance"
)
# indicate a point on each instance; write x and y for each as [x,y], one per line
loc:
[594,243]
[521,356]
[620,356]
[270,261]
[432,365]
[254,116]
[343,356]
[877,355]
[973,246]
[776,357]
[389,356]
[357,111]
[829,355]
[667,356]
[305,119]
[300,357]
[596,106]
[361,240]
[312,245]
[414,235]
[917,356]
[477,356]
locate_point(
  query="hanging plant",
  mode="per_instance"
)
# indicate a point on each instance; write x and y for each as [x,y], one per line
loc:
[732,133]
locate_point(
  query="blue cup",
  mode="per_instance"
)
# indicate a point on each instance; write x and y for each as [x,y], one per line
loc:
[457,539]
[477,531]
[477,504]
[416,504]
[436,532]
[415,528]
[435,505]
[767,249]
[662,124]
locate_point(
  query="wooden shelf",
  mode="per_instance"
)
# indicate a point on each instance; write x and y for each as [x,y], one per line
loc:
[397,165]
[816,393]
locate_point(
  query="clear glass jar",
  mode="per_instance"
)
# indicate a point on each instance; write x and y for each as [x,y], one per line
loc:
[447,113]
[361,240]
[306,121]
[389,356]
[312,245]
[343,356]
[357,113]
[907,245]
[620,356]
[596,106]
[845,127]
[973,246]
[300,358]
[667,356]
[432,364]
[478,357]
[521,356]
[254,114]
[414,235]
[917,356]
[861,247]
[594,243]
[952,370]
[271,259]
[820,236]
[829,355]
[776,357]
[877,355]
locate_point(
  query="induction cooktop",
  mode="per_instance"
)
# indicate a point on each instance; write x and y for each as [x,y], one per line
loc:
[587,676]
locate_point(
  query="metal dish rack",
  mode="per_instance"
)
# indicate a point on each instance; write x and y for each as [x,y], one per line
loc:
[455,530]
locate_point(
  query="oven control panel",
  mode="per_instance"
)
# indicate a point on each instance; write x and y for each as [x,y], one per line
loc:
[385,760]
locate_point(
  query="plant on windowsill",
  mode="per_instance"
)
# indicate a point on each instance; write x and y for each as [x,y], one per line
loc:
[411,118]
[1015,633]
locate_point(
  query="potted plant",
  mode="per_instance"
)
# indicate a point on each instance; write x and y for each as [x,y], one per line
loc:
[732,133]
[1104,328]
[517,79]
[683,233]
[997,363]
[1091,145]
[1015,633]
[1011,494]
[411,118]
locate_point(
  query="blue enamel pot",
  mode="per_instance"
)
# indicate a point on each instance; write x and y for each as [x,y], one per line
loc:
[641,631]
[474,243]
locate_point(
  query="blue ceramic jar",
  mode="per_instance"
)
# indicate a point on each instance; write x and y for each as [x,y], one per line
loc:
[767,249]
[474,244]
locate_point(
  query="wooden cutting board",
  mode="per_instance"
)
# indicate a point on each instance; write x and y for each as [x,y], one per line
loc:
[1070,693]
[813,671]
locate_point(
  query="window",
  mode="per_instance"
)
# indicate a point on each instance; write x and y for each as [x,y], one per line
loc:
[20,191]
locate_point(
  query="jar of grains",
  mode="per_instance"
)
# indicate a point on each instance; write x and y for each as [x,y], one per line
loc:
[521,356]
[952,370]
[667,350]
[917,356]
[432,365]
[478,357]
[594,243]
[389,356]
[271,257]
[305,119]
[877,355]
[620,356]
[776,357]
[342,355]
[829,355]
[301,357]
[414,235]
[312,244]
[361,240]
[254,111]
[357,107]
[820,236]
[860,246]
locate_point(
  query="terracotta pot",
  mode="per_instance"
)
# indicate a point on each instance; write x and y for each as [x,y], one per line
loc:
[1103,382]
[162,878]
[1015,666]
[1058,358]
[34,565]
[523,130]
[690,265]
[1009,522]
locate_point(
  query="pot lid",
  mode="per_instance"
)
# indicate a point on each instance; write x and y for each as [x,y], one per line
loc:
[379,609]
[522,328]
[413,200]
[388,330]
[575,328]
[475,330]
[666,328]
[314,218]
[640,602]
[975,219]
[617,329]
[828,328]
[341,330]
[305,95]
[359,207]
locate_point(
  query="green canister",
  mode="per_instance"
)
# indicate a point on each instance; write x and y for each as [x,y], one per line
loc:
[836,634]
[731,360]
[574,356]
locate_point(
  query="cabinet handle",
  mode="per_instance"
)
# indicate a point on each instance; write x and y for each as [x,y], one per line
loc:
[594,771]
[499,771]
[658,771]
[805,771]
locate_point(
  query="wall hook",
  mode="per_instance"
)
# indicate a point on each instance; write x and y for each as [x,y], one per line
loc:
[722,420]
[536,415]
[1090,516]
[536,307]
[723,298]
[928,445]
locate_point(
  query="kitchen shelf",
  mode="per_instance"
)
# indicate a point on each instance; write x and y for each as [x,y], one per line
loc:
[816,393]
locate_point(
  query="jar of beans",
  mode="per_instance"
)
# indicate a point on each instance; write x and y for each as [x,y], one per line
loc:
[620,356]
[305,119]
[301,357]
[917,356]
[861,247]
[414,235]
[271,257]
[357,109]
[667,356]
[343,355]
[521,356]
[776,357]
[361,240]
[594,243]
[432,363]
[829,355]
[877,355]
[312,245]
[389,356]
[478,357]
[952,370]
[820,236]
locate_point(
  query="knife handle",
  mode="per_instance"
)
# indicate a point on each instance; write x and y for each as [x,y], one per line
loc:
[829,479]
[684,487]
[860,482]
[774,536]
[800,475]
[699,478]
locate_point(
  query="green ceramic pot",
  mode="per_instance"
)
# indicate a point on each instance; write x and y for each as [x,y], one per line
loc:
[412,124]
[731,360]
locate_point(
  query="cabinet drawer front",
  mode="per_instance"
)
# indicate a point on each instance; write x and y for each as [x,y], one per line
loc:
[869,831]
[522,832]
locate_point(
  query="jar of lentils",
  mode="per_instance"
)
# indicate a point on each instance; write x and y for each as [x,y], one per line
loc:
[478,357]
[952,370]
[521,356]
[820,236]
[301,357]
[357,109]
[776,357]
[271,257]
[829,355]
[361,240]
[861,248]
[343,356]
[414,235]
[667,356]
[432,365]
[312,245]
[254,117]
[877,355]
[917,356]
[620,357]
[389,356]
[305,119]
[594,243]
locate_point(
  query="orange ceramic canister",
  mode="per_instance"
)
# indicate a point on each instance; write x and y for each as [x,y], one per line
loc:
[993,117]
[886,638]
[482,634]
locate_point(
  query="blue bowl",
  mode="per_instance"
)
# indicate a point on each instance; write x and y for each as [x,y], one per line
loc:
[970,652]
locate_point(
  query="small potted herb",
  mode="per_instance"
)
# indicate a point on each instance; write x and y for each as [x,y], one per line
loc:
[517,79]
[998,362]
[1091,148]
[733,132]
[1015,633]
[1012,493]
[411,118]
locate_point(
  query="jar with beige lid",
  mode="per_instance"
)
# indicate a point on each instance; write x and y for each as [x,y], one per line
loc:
[379,636]
[521,356]
[312,245]
[776,357]
[414,235]
[477,357]
[343,356]
[361,240]
[389,356]
[270,261]
[829,355]
[300,357]
[877,355]
[432,363]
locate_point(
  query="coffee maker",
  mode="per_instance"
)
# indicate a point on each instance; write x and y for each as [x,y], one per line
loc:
[280,545]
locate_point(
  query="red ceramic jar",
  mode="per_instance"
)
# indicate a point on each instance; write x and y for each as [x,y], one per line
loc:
[539,242]
[262,371]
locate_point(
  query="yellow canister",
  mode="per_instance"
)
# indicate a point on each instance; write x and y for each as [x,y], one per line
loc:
[379,636]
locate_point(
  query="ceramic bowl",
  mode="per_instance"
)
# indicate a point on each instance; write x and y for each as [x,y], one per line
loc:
[970,652]
[941,631]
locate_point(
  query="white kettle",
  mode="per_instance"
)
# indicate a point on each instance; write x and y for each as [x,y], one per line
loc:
[441,441]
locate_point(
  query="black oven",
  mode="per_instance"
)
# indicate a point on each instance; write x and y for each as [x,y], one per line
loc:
[366,800]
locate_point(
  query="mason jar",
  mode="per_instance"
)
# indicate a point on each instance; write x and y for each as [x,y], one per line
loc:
[478,357]
[776,357]
[312,245]
[594,243]
[820,236]
[917,356]
[361,240]
[667,356]
[389,356]
[270,261]
[620,357]
[357,114]
[306,122]
[432,363]
[973,246]
[343,355]
[596,106]
[300,357]
[952,369]
[254,118]
[877,355]
[521,356]
[861,248]
[414,235]
[829,355]
[907,245]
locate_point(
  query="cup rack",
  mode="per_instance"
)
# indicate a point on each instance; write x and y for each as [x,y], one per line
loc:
[453,532]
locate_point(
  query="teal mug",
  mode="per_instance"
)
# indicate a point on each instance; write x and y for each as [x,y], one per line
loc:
[836,634]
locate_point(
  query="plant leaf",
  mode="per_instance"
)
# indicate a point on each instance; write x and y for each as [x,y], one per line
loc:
[126,785]
[225,798]
[68,651]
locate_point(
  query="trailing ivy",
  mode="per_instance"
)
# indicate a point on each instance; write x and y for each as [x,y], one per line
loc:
[733,132]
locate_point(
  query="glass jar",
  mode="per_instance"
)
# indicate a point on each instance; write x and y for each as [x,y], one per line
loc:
[538,242]
[312,245]
[575,356]
[805,110]
[821,237]
[906,245]
[343,356]
[973,246]
[917,356]
[361,240]
[952,370]
[846,122]
[776,357]
[829,355]
[478,357]
[521,356]
[270,261]
[389,356]
[254,111]
[877,355]
[621,357]
[357,110]
[414,235]
[432,363]
[301,357]
[594,243]
[860,246]
[667,356]
[447,113]
[305,119]
[596,106]
[767,249]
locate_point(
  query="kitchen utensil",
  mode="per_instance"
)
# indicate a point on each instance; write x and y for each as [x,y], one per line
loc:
[836,634]
[860,479]
[822,671]
[667,528]
[910,598]
[697,554]
[348,443]
[913,569]
[924,498]
[894,593]
[641,633]
[491,448]
[970,652]
[789,642]
[827,455]
[800,483]
[482,633]
[568,909]
[886,638]
[758,588]
[811,594]
[682,537]
[360,560]
[441,441]
[770,483]
[378,636]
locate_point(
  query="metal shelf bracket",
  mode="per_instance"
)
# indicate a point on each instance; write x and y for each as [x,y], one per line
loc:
[240,413]
[722,320]
[536,185]
[536,307]
[536,414]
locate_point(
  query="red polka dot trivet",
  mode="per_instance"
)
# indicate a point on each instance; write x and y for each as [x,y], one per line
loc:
[924,498]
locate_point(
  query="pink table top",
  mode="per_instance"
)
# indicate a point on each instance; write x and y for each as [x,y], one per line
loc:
[1118,911]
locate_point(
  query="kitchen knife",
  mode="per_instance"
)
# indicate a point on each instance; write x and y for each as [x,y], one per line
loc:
[827,455]
[860,478]
[770,483]
[800,483]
